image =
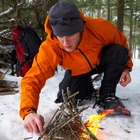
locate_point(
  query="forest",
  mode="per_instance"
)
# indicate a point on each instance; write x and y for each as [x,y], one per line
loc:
[125,14]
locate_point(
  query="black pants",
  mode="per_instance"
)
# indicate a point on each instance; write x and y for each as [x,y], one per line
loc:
[113,62]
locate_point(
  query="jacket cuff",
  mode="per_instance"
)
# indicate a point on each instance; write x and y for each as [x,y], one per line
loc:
[25,112]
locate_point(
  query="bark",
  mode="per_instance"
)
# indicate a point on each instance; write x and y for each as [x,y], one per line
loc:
[120,14]
[108,10]
[131,26]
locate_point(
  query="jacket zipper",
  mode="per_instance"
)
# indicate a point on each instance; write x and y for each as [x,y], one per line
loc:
[86,59]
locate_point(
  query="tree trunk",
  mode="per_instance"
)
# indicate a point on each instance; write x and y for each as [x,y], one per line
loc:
[2,5]
[99,9]
[108,10]
[135,46]
[131,26]
[120,14]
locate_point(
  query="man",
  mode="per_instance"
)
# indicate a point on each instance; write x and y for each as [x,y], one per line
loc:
[83,46]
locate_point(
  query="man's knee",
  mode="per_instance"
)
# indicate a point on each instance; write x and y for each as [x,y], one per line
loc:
[116,54]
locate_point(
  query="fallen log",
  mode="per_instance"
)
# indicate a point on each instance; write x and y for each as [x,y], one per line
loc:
[4,89]
[9,84]
[2,75]
[10,92]
[8,87]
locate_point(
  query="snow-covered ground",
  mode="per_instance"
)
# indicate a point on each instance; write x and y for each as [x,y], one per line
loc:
[115,127]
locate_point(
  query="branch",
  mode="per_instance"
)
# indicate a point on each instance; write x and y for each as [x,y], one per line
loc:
[5,41]
[10,10]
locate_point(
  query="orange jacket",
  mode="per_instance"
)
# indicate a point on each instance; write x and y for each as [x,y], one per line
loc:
[97,34]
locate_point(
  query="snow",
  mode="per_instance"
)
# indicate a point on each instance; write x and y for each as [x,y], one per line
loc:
[114,127]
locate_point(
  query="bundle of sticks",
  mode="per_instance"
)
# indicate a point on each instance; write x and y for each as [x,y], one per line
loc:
[7,87]
[66,123]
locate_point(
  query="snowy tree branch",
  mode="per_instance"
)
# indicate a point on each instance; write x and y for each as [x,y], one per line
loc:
[10,10]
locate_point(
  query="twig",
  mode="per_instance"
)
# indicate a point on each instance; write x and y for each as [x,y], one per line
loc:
[28,138]
[65,117]
[73,133]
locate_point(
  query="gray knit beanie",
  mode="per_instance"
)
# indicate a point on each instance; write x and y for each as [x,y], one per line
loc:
[64,19]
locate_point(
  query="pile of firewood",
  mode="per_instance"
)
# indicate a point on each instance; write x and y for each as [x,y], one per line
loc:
[7,87]
[66,123]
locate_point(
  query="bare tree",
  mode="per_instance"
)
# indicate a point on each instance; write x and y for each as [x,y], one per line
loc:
[120,14]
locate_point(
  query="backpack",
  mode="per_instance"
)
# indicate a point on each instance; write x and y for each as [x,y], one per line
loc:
[27,43]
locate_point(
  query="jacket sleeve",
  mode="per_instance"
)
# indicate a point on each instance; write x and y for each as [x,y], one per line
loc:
[43,67]
[109,34]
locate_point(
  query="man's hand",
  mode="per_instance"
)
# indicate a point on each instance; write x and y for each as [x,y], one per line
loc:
[125,78]
[34,123]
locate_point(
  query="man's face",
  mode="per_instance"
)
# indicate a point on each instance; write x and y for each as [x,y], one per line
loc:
[69,43]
